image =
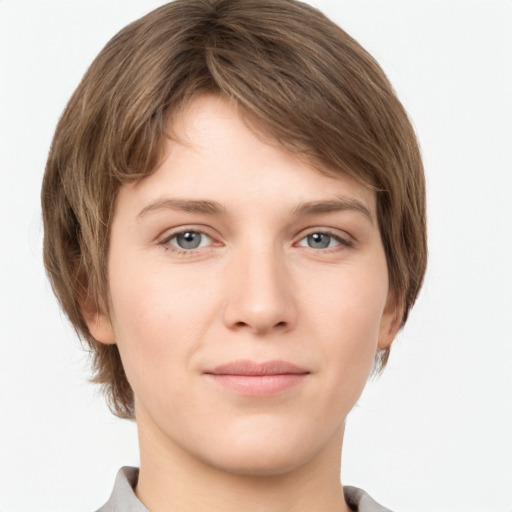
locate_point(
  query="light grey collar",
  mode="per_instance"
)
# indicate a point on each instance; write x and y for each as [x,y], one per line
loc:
[123,498]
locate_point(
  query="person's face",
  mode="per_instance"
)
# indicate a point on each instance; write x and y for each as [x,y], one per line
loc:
[236,258]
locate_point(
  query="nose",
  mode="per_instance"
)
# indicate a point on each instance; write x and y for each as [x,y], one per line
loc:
[259,292]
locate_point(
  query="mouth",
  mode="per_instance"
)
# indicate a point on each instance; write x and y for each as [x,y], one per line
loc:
[257,379]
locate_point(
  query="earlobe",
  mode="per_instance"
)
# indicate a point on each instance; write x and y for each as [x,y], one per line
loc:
[391,323]
[101,329]
[99,323]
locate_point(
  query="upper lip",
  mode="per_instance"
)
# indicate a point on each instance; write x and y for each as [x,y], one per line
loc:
[252,368]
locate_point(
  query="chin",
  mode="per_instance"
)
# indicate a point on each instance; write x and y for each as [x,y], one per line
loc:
[257,453]
[258,464]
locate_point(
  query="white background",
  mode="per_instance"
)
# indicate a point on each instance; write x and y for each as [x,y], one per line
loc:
[435,432]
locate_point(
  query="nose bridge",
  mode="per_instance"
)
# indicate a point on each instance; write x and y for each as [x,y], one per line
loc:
[259,287]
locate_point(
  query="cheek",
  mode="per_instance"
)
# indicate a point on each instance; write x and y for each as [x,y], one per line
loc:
[348,317]
[351,302]
[159,317]
[349,348]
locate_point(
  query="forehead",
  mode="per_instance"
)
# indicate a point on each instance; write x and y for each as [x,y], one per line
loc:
[215,154]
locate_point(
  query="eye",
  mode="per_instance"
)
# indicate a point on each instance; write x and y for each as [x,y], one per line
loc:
[323,240]
[188,240]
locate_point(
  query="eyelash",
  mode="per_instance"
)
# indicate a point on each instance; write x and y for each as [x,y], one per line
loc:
[165,243]
[344,242]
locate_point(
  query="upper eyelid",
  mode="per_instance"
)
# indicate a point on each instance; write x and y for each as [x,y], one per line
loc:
[175,234]
[326,231]
[336,233]
[172,232]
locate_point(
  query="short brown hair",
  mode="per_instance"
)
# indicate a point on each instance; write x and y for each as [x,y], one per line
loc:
[292,71]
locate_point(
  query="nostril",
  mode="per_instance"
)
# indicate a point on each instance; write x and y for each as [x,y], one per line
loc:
[242,324]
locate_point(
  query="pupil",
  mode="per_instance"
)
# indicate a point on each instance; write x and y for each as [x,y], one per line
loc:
[189,240]
[319,240]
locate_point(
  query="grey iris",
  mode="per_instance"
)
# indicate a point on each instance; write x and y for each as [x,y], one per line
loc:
[318,240]
[189,240]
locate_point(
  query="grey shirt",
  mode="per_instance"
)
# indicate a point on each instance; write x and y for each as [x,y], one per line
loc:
[123,497]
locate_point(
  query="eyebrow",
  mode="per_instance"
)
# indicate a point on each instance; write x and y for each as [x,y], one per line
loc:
[215,208]
[334,205]
[186,205]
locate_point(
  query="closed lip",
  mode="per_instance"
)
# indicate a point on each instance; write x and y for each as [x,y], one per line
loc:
[249,368]
[255,379]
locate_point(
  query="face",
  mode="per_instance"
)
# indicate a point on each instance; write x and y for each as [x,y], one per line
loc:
[249,295]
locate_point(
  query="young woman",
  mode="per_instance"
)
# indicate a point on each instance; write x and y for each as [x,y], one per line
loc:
[234,213]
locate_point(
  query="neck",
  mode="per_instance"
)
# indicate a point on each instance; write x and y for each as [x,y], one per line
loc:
[172,479]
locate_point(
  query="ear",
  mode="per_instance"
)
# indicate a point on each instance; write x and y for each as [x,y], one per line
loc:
[98,322]
[391,322]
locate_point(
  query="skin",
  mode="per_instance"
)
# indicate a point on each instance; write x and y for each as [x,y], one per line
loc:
[260,286]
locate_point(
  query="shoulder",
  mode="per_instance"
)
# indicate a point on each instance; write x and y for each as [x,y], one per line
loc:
[360,501]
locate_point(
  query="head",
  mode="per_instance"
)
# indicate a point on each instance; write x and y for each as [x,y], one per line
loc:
[298,81]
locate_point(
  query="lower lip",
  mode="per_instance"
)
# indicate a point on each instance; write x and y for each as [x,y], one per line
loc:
[259,385]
